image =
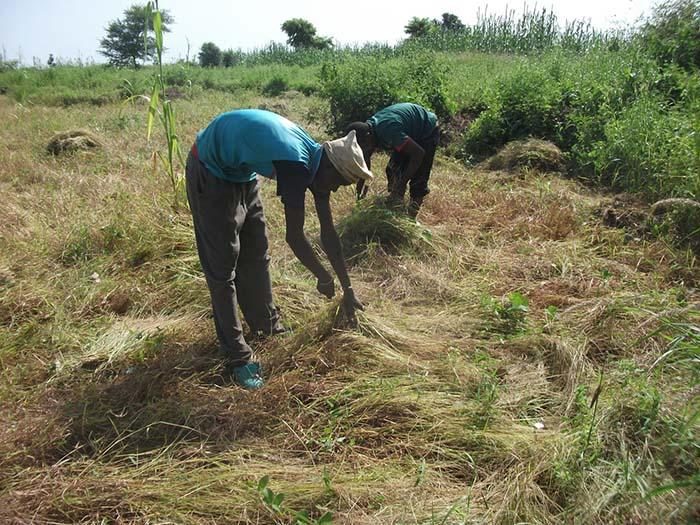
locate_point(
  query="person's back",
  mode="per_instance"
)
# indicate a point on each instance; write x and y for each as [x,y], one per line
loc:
[412,134]
[394,124]
[238,144]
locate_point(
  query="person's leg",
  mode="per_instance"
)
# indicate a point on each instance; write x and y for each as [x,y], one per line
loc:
[419,182]
[253,285]
[218,213]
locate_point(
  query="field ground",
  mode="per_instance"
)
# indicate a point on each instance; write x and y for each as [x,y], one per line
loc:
[451,401]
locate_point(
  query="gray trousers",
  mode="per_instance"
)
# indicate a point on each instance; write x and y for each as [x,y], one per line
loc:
[229,227]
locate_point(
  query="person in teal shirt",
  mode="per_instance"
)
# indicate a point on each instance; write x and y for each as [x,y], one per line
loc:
[229,223]
[412,134]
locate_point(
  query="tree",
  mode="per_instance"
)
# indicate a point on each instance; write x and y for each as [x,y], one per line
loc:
[229,58]
[301,34]
[418,27]
[124,43]
[210,55]
[450,22]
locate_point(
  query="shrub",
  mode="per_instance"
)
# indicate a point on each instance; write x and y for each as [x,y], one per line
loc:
[623,122]
[672,35]
[359,87]
[230,58]
[648,148]
[275,86]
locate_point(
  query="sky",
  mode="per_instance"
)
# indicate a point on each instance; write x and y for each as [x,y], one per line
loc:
[72,29]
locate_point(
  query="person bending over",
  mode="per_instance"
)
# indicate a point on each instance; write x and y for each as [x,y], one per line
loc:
[229,223]
[412,134]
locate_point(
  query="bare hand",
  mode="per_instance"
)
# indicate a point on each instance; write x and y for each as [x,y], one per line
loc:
[350,303]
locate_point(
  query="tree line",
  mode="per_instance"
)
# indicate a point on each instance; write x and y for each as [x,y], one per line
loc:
[129,41]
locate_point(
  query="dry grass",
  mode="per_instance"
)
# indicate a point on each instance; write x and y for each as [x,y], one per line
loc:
[530,153]
[114,405]
[73,140]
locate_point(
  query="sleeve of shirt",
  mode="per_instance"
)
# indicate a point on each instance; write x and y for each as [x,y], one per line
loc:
[292,180]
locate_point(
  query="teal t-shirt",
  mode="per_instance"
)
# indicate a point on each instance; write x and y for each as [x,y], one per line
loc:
[394,124]
[239,144]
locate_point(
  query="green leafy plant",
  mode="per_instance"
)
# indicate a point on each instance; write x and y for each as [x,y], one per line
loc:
[274,501]
[507,316]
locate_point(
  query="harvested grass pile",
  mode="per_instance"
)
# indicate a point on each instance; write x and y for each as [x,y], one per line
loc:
[73,140]
[372,223]
[529,153]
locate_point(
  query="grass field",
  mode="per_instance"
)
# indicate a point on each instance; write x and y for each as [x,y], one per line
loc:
[523,357]
[529,350]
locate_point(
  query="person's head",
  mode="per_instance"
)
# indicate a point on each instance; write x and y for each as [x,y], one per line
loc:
[342,163]
[365,138]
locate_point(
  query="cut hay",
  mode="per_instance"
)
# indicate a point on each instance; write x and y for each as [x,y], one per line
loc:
[373,224]
[119,344]
[529,153]
[73,140]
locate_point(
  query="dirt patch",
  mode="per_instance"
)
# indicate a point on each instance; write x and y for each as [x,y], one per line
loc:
[529,153]
[557,293]
[73,140]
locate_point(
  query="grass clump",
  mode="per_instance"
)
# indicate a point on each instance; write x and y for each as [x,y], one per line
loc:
[373,225]
[73,140]
[530,153]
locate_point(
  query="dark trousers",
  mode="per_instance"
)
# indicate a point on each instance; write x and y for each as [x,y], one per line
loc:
[229,227]
[398,163]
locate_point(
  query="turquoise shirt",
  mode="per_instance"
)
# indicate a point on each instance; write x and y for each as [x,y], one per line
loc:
[394,124]
[239,144]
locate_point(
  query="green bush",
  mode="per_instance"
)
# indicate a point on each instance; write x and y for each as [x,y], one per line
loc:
[275,86]
[648,148]
[672,35]
[621,120]
[357,88]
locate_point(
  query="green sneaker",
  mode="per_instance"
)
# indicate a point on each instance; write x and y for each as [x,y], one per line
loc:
[248,376]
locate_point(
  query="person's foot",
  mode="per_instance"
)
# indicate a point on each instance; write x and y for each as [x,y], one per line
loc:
[248,376]
[414,206]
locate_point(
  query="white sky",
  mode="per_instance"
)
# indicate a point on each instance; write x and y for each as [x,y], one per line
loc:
[73,28]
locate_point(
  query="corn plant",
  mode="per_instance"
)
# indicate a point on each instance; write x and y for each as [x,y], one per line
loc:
[161,106]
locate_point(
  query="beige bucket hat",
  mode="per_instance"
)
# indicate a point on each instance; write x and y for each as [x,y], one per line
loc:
[346,156]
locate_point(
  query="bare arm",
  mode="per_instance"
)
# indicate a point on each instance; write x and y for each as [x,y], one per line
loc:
[297,241]
[334,251]
[361,188]
[330,240]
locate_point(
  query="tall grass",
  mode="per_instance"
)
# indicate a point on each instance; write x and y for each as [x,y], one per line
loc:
[531,32]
